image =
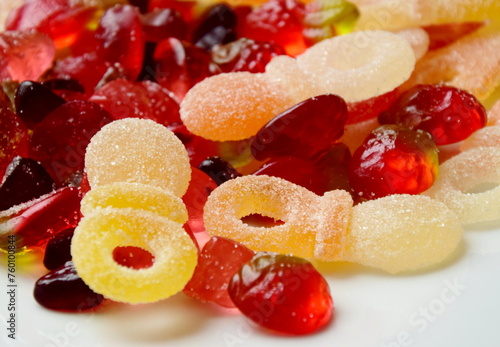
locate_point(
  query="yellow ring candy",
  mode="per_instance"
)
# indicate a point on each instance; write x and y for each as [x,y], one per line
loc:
[138,150]
[99,233]
[137,196]
[464,172]
[311,228]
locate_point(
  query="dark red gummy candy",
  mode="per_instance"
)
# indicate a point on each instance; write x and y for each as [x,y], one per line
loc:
[63,289]
[58,250]
[282,293]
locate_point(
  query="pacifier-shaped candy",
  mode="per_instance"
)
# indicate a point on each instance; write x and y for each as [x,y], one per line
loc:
[396,233]
[137,169]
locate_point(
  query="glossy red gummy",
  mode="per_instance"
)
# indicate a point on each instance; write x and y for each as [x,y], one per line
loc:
[62,289]
[280,21]
[441,35]
[41,219]
[180,65]
[35,101]
[58,249]
[25,180]
[121,39]
[218,169]
[200,187]
[133,257]
[163,23]
[218,261]
[197,147]
[25,55]
[394,160]
[13,138]
[245,55]
[147,100]
[306,130]
[185,8]
[60,140]
[449,114]
[361,111]
[282,293]
[216,26]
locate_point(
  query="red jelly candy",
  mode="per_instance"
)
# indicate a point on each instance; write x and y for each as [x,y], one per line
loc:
[394,160]
[185,8]
[280,21]
[449,114]
[133,257]
[62,289]
[25,55]
[25,180]
[58,250]
[217,26]
[200,187]
[197,147]
[245,55]
[282,293]
[181,65]
[441,35]
[163,23]
[305,130]
[218,261]
[13,138]
[147,100]
[60,140]
[31,13]
[361,111]
[41,219]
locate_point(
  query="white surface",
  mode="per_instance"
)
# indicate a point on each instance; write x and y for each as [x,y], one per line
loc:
[455,305]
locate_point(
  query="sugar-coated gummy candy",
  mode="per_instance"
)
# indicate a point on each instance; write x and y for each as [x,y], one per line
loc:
[401,233]
[102,231]
[312,224]
[359,65]
[232,106]
[462,174]
[485,137]
[137,196]
[494,114]
[138,150]
[418,40]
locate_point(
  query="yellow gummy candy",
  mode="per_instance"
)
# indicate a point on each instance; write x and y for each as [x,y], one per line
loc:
[138,150]
[100,232]
[137,196]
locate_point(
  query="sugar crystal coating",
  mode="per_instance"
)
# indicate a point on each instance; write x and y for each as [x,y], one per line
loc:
[231,106]
[360,65]
[138,150]
[401,233]
[137,196]
[308,221]
[485,137]
[100,232]
[459,177]
[418,40]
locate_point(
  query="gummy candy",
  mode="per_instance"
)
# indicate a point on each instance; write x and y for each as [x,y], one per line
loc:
[217,26]
[231,106]
[418,40]
[58,249]
[485,137]
[140,151]
[162,23]
[460,175]
[218,169]
[13,138]
[101,231]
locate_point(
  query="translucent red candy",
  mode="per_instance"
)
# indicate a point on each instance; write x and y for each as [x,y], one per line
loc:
[441,35]
[361,111]
[63,289]
[25,55]
[245,55]
[280,21]
[163,23]
[34,223]
[185,8]
[305,130]
[449,114]
[394,160]
[58,250]
[198,148]
[32,13]
[218,262]
[282,293]
[133,257]
[181,65]
[13,138]
[60,140]
[25,180]
[147,100]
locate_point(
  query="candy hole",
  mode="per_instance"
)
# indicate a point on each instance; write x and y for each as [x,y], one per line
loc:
[133,257]
[482,187]
[258,220]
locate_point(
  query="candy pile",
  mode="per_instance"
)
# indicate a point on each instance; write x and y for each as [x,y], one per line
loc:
[152,147]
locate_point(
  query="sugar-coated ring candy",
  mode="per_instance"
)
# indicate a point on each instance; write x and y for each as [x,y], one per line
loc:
[232,106]
[463,173]
[312,225]
[137,196]
[138,150]
[100,232]
[401,233]
[484,137]
[418,40]
[359,65]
